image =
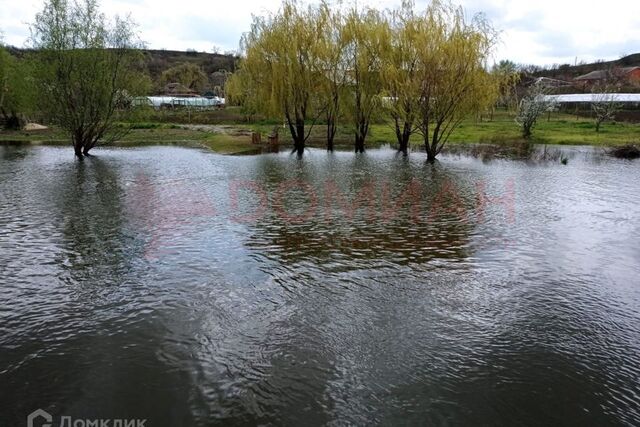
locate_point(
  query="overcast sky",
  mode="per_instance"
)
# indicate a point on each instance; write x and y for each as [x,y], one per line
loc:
[533,31]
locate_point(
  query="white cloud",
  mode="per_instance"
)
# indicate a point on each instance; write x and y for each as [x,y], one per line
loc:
[539,31]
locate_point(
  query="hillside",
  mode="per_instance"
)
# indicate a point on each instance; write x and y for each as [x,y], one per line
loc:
[569,72]
[158,61]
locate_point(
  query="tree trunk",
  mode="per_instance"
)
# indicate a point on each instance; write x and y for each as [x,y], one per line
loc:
[298,148]
[331,133]
[403,143]
[361,134]
[332,116]
[299,142]
[12,121]
[78,143]
[431,154]
[359,143]
[77,148]
[431,148]
[403,137]
[403,148]
[297,134]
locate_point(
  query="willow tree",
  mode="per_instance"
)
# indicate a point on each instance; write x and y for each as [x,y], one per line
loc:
[85,69]
[239,91]
[332,66]
[401,74]
[366,35]
[452,55]
[508,77]
[279,72]
[187,74]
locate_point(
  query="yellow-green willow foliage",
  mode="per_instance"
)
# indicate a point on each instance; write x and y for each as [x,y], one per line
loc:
[279,74]
[427,70]
[367,36]
[508,76]
[238,91]
[333,68]
[401,73]
[187,74]
[452,54]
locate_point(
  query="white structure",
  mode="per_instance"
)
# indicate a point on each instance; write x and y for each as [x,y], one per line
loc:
[591,98]
[194,102]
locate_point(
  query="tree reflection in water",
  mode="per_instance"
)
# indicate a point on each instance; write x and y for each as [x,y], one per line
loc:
[347,213]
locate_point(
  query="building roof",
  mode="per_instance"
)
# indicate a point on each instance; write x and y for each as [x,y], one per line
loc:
[627,70]
[594,98]
[547,81]
[159,101]
[178,89]
[594,75]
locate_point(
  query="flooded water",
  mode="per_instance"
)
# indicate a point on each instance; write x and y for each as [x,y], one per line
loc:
[187,288]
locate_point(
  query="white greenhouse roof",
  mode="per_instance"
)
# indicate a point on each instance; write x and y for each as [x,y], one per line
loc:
[595,97]
[158,101]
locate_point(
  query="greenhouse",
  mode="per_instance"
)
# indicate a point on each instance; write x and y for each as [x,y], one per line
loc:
[591,98]
[177,102]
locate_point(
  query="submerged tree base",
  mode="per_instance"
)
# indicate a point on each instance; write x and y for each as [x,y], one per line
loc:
[81,151]
[626,152]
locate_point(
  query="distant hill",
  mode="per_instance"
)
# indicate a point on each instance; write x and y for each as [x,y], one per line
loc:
[159,60]
[569,72]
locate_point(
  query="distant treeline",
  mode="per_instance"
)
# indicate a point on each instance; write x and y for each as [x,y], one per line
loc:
[158,61]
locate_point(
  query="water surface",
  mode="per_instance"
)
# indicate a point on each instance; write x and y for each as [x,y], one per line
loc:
[189,288]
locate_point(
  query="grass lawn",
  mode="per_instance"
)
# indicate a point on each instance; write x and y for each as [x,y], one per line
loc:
[144,134]
[559,128]
[230,144]
[562,129]
[235,137]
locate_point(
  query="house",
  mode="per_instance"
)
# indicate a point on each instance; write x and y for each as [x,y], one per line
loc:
[620,76]
[178,90]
